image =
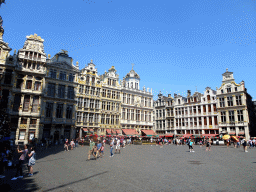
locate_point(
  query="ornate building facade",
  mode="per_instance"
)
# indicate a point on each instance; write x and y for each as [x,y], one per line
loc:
[59,106]
[88,101]
[234,104]
[137,105]
[110,103]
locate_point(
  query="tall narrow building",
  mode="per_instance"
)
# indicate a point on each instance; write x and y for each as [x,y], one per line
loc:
[88,101]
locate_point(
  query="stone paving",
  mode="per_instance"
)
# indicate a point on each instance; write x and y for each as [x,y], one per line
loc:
[141,168]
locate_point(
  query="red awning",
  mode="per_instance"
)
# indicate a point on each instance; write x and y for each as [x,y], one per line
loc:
[108,131]
[130,132]
[169,135]
[85,130]
[118,132]
[209,135]
[148,132]
[187,135]
[232,133]
[241,133]
[91,130]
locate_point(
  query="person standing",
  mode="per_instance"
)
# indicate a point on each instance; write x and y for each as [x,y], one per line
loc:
[191,146]
[66,145]
[102,150]
[92,144]
[72,144]
[32,161]
[118,145]
[21,162]
[111,147]
[98,149]
[94,152]
[245,145]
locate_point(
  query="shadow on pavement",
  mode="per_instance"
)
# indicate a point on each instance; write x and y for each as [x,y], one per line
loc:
[26,183]
[61,186]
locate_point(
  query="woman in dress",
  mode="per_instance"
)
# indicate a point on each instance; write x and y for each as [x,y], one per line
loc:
[72,144]
[32,161]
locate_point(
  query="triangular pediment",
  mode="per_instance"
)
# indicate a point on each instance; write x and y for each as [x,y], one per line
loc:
[63,65]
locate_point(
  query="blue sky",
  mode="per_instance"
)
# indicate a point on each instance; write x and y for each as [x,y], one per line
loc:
[175,45]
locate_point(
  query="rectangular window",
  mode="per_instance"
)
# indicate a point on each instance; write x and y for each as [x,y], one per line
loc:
[109,94]
[113,95]
[37,86]
[112,119]
[71,92]
[59,110]
[26,103]
[132,114]
[69,111]
[86,102]
[208,98]
[71,77]
[118,95]
[223,116]
[229,90]
[29,84]
[240,116]
[210,120]
[103,119]
[92,90]
[142,101]
[123,113]
[113,106]
[98,92]
[62,75]
[48,109]
[97,104]
[108,106]
[199,109]
[16,104]
[117,107]
[107,119]
[96,118]
[137,115]
[103,105]
[209,108]
[132,102]
[79,102]
[231,117]
[214,108]
[61,91]
[93,81]
[129,99]
[235,88]
[222,102]
[90,117]
[53,74]
[35,104]
[8,76]
[87,89]
[238,100]
[215,120]
[87,80]
[124,97]
[51,90]
[204,108]
[230,101]
[117,119]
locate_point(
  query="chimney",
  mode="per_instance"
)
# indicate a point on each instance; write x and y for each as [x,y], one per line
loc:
[189,93]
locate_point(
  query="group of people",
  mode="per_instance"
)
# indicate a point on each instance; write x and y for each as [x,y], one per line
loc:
[96,150]
[244,142]
[25,156]
[71,144]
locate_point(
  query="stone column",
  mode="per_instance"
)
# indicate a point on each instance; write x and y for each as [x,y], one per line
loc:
[56,90]
[17,131]
[21,103]
[66,92]
[27,131]
[31,103]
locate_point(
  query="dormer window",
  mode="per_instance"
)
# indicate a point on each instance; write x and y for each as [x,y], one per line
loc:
[221,90]
[229,90]
[235,88]
[178,101]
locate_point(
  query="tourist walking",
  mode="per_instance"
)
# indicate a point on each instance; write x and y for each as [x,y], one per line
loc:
[94,152]
[32,161]
[208,145]
[72,144]
[66,144]
[191,146]
[21,162]
[111,147]
[102,150]
[92,144]
[98,148]
[245,145]
[118,145]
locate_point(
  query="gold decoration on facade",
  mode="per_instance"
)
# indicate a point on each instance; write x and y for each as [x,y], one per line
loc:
[49,56]
[64,51]
[35,37]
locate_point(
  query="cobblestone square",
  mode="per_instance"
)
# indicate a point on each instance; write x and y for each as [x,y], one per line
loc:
[141,168]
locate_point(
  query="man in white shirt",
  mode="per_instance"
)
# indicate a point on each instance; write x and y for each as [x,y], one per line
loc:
[118,145]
